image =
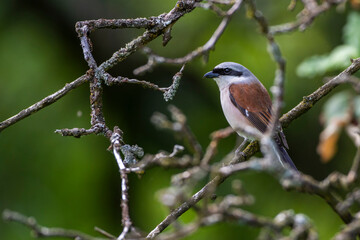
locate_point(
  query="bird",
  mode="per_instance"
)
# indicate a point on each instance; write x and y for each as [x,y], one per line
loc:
[246,103]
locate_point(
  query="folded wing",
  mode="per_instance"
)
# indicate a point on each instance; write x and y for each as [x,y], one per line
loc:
[254,102]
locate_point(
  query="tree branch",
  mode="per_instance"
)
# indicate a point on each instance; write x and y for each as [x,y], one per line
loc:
[45,102]
[200,51]
[306,16]
[289,179]
[41,231]
[309,101]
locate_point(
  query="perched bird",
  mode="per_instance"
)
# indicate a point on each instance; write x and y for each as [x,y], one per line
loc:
[246,103]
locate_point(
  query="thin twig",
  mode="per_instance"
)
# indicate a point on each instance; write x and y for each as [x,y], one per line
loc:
[184,207]
[41,231]
[116,140]
[78,132]
[309,101]
[164,21]
[200,51]
[350,231]
[86,45]
[213,7]
[204,191]
[354,171]
[161,25]
[96,106]
[111,81]
[103,232]
[93,25]
[274,49]
[179,126]
[306,17]
[292,180]
[349,201]
[45,102]
[212,147]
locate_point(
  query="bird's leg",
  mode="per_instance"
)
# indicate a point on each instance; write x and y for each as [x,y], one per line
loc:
[238,151]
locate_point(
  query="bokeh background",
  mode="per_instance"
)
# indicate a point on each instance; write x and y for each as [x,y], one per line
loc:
[74,183]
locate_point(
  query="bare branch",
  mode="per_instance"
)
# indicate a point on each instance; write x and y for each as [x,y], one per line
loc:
[86,45]
[180,127]
[163,22]
[41,231]
[350,231]
[45,102]
[228,208]
[224,2]
[306,17]
[211,6]
[212,147]
[93,25]
[200,51]
[184,207]
[78,132]
[103,232]
[293,180]
[309,101]
[164,159]
[116,140]
[96,106]
[110,81]
[349,201]
[205,191]
[170,91]
[274,49]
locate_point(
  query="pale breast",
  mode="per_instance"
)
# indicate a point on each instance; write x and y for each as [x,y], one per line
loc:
[234,117]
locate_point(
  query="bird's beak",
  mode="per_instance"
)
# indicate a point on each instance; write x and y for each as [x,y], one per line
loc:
[211,74]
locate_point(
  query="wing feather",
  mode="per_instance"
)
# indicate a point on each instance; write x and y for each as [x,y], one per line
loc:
[254,102]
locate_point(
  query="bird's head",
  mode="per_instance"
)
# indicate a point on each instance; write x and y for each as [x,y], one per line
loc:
[227,73]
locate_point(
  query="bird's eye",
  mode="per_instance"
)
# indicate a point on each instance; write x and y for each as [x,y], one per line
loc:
[227,70]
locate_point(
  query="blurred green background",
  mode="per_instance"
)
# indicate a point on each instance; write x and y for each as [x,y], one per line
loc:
[74,183]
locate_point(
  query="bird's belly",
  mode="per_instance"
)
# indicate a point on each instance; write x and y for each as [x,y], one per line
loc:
[233,115]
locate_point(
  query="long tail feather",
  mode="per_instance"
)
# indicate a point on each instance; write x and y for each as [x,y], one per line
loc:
[285,158]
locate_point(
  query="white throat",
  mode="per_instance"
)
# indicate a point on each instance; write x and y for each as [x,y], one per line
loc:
[225,81]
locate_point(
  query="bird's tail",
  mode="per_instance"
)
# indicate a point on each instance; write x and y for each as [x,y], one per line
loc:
[285,158]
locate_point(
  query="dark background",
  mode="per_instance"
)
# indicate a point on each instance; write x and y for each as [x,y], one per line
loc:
[74,183]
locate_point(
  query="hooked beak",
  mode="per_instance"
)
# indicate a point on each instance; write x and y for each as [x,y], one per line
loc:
[211,74]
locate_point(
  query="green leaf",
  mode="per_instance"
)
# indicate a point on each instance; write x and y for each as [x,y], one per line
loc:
[357,107]
[339,57]
[337,107]
[352,30]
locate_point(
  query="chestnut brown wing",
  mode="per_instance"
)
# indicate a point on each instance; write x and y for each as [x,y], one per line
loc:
[254,102]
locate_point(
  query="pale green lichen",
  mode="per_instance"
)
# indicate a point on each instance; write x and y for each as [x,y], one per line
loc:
[131,153]
[170,93]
